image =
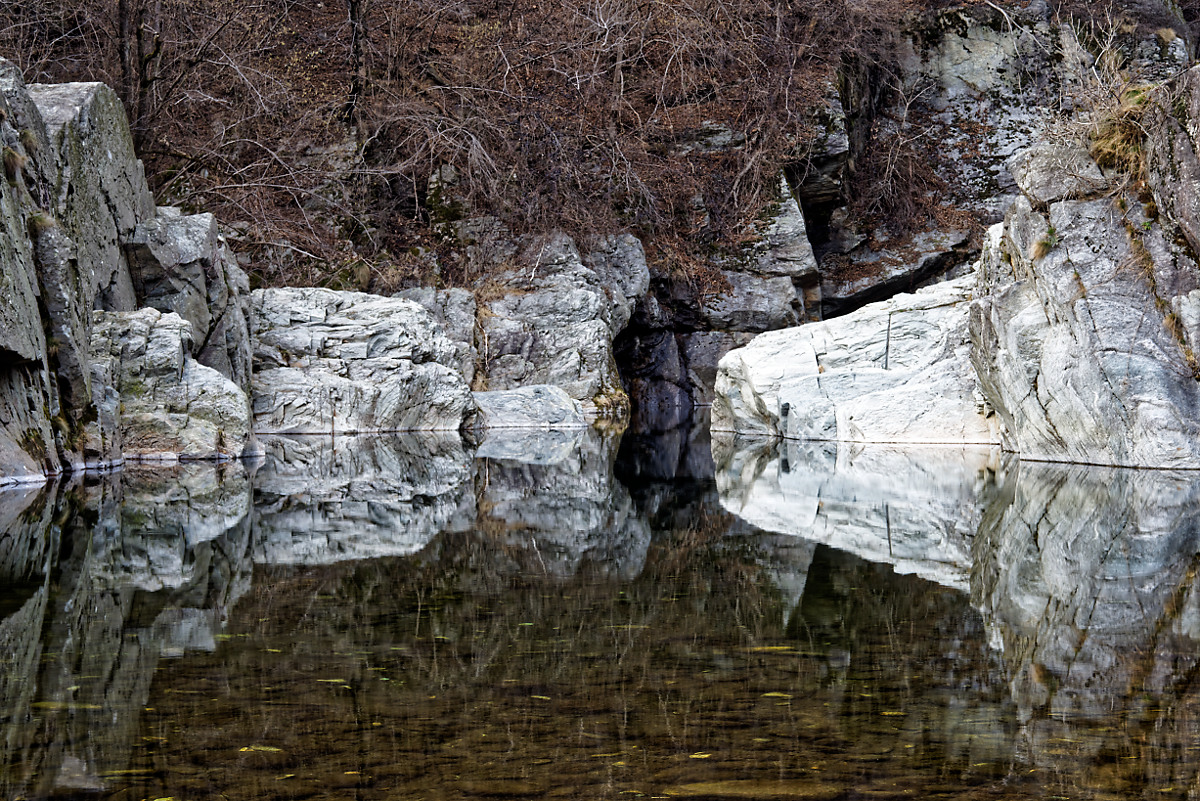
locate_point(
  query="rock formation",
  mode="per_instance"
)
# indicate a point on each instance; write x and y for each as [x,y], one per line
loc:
[79,382]
[1072,339]
[345,362]
[896,371]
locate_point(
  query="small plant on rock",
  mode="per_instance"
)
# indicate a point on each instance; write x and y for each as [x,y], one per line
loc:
[41,221]
[1046,244]
[1116,140]
[14,162]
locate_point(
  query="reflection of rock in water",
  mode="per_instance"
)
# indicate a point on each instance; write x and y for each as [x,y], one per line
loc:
[683,452]
[150,564]
[913,508]
[26,552]
[571,511]
[322,500]
[1087,576]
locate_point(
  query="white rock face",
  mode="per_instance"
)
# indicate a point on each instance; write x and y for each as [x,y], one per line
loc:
[454,309]
[897,371]
[1072,341]
[914,508]
[179,263]
[346,362]
[1071,347]
[539,407]
[169,406]
[556,320]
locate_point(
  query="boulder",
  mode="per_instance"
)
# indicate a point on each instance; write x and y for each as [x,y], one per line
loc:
[171,407]
[1049,172]
[895,371]
[554,320]
[783,247]
[347,362]
[767,281]
[540,407]
[753,303]
[454,310]
[178,263]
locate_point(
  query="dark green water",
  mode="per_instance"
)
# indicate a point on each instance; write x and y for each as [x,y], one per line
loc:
[394,619]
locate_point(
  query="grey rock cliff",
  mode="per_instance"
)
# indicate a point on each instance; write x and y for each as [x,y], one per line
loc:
[1071,347]
[347,362]
[557,316]
[75,211]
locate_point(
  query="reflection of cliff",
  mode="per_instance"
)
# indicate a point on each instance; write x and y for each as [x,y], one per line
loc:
[913,508]
[149,564]
[1087,577]
[320,500]
[570,511]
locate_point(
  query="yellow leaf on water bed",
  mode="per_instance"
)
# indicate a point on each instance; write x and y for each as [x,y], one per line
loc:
[265,748]
[812,791]
[112,774]
[776,695]
[701,756]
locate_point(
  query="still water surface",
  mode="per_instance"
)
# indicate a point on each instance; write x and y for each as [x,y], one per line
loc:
[581,618]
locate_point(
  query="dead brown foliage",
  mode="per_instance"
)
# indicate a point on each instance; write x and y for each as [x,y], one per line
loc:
[314,126]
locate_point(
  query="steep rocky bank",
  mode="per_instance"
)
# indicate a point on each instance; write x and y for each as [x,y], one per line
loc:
[130,331]
[1072,336]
